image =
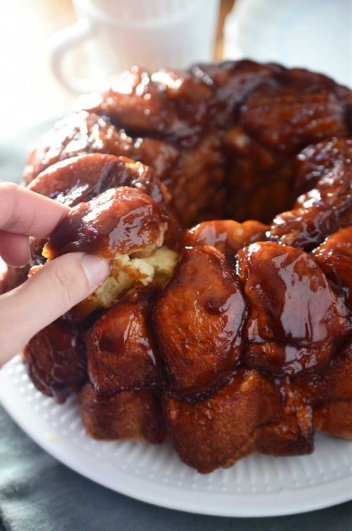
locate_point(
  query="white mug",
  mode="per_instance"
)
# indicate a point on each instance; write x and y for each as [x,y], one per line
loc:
[149,33]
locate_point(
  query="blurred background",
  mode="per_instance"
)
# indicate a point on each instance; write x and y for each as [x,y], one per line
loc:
[316,34]
[29,92]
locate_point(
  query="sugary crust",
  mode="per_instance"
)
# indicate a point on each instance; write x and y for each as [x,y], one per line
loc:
[244,346]
[132,415]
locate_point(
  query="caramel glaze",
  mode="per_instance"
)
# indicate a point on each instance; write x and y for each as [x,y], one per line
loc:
[296,319]
[249,414]
[56,359]
[120,349]
[132,415]
[225,235]
[334,256]
[93,174]
[80,179]
[82,132]
[248,347]
[209,309]
[121,220]
[215,134]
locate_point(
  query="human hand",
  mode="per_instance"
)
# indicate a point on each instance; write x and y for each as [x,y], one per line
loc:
[53,290]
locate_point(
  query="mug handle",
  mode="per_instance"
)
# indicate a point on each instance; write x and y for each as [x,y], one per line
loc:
[61,43]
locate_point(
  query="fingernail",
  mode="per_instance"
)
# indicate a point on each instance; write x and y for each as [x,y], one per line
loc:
[26,260]
[96,269]
[29,257]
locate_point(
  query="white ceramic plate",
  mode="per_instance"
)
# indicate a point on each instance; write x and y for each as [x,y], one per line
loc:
[256,486]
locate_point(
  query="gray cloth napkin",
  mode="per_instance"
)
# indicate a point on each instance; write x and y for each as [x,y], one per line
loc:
[38,493]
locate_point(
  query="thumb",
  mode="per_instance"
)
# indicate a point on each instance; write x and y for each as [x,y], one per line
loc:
[52,291]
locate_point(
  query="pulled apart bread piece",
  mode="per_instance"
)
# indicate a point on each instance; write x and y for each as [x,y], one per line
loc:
[119,211]
[125,226]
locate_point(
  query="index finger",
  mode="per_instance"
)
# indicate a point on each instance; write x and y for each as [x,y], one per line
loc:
[25,212]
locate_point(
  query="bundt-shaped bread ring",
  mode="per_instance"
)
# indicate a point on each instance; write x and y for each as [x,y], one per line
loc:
[230,335]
